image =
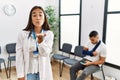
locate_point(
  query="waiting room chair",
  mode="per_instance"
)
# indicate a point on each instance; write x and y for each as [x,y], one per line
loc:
[101,69]
[3,61]
[11,49]
[71,61]
[66,48]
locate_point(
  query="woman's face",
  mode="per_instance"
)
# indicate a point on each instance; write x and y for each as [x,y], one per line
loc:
[37,17]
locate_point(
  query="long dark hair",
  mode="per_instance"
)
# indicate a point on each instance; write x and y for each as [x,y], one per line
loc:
[30,25]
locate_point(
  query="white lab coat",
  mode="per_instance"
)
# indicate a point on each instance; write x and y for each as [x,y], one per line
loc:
[22,55]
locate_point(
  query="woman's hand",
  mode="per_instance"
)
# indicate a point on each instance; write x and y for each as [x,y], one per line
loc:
[40,37]
[21,78]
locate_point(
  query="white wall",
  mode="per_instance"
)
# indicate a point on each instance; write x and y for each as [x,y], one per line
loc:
[92,18]
[10,26]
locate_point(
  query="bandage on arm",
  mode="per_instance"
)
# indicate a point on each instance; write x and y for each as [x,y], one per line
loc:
[86,52]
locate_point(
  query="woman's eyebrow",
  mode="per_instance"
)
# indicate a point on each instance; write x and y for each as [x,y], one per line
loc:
[35,12]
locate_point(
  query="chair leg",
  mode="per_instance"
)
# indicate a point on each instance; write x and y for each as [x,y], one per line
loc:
[61,69]
[92,77]
[10,69]
[8,65]
[5,69]
[0,68]
[103,74]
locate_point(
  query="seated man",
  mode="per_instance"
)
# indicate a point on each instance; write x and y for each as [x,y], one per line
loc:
[92,59]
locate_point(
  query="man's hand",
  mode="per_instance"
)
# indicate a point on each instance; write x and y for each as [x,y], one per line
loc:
[100,61]
[87,63]
[94,53]
[85,48]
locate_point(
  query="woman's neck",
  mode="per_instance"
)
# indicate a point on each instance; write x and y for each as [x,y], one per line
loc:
[37,30]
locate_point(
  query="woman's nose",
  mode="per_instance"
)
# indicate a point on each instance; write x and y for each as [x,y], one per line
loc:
[38,17]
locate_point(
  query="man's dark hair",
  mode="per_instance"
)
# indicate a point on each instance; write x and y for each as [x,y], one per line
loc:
[93,34]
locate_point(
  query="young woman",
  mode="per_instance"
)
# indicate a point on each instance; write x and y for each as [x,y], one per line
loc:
[33,48]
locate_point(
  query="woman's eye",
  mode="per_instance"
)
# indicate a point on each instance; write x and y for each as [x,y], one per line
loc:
[40,15]
[34,15]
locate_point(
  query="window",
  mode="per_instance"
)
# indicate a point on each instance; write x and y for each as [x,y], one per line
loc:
[70,6]
[113,32]
[69,22]
[113,5]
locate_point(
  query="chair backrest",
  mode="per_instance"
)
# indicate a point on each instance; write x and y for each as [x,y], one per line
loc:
[78,51]
[66,47]
[11,48]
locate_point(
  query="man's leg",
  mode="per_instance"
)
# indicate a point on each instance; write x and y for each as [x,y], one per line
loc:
[75,68]
[87,71]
